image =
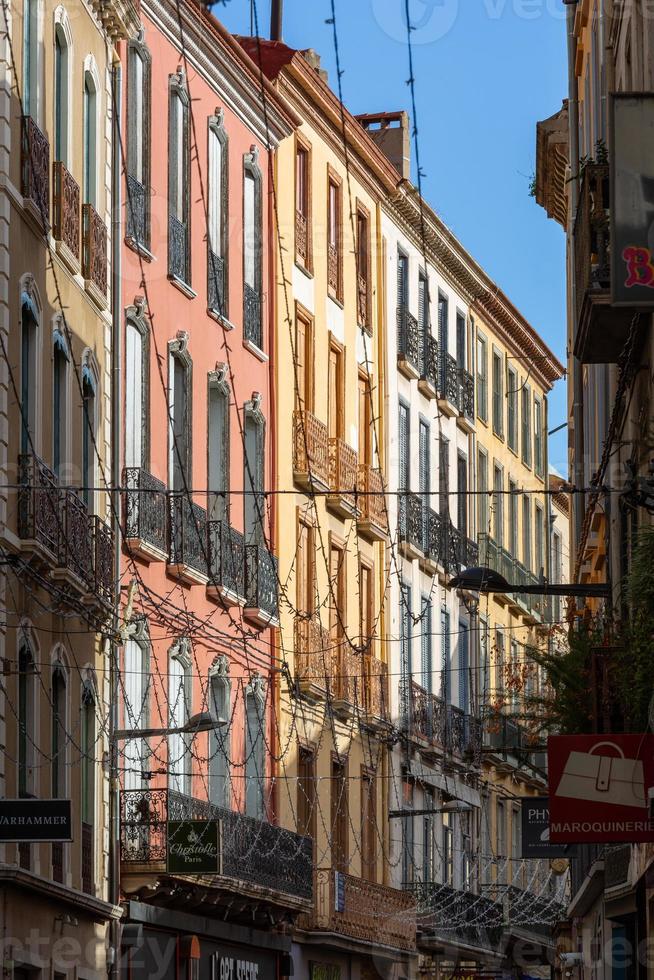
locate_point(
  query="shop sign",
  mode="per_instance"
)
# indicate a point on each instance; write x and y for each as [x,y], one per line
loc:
[242,964]
[536,830]
[324,971]
[35,821]
[598,788]
[193,847]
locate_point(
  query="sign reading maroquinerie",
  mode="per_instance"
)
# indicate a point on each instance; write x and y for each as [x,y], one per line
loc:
[35,820]
[193,847]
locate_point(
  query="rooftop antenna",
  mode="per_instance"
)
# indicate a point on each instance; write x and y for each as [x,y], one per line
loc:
[276,17]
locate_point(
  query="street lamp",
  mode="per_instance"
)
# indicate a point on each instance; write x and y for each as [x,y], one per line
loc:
[483,579]
[203,721]
[452,806]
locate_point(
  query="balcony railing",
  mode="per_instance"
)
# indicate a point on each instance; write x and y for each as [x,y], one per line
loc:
[137,214]
[427,715]
[373,516]
[312,655]
[346,682]
[463,735]
[35,168]
[370,913]
[261,584]
[408,343]
[410,523]
[38,504]
[94,249]
[375,684]
[226,562]
[310,450]
[76,546]
[252,325]
[433,537]
[333,274]
[448,380]
[362,300]
[65,212]
[216,284]
[188,539]
[428,383]
[178,250]
[145,514]
[457,916]
[301,238]
[492,555]
[504,735]
[343,478]
[253,851]
[466,394]
[528,912]
[103,559]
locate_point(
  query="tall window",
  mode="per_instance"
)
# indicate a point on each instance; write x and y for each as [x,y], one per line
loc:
[513,519]
[408,843]
[302,205]
[498,504]
[334,259]
[179,176]
[339,816]
[406,667]
[461,340]
[366,611]
[462,495]
[363,268]
[500,817]
[217,285]
[60,362]
[464,667]
[512,409]
[89,428]
[88,750]
[482,496]
[138,142]
[26,717]
[61,95]
[426,665]
[526,424]
[304,362]
[423,307]
[402,280]
[443,477]
[218,450]
[499,661]
[484,662]
[443,346]
[526,532]
[335,391]
[90,140]
[404,459]
[59,701]
[515,675]
[538,437]
[368,826]
[305,570]
[179,408]
[338,595]
[557,566]
[482,378]
[446,649]
[179,701]
[30,56]
[29,371]
[424,468]
[254,475]
[365,421]
[220,706]
[136,394]
[428,844]
[136,710]
[448,850]
[466,852]
[255,764]
[307,797]
[252,252]
[498,395]
[540,540]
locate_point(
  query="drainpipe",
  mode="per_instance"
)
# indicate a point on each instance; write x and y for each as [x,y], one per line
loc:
[276,19]
[116,422]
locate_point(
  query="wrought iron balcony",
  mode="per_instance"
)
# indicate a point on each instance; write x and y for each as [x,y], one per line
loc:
[312,656]
[188,540]
[301,239]
[410,524]
[137,213]
[463,733]
[75,543]
[261,585]
[35,169]
[333,271]
[178,250]
[455,544]
[408,344]
[226,563]
[466,399]
[263,857]
[373,914]
[343,478]
[216,284]
[310,451]
[448,385]
[372,519]
[94,249]
[252,321]
[346,682]
[492,555]
[428,382]
[538,914]
[103,559]
[600,329]
[38,506]
[504,735]
[145,514]
[375,690]
[433,540]
[427,716]
[457,917]
[65,211]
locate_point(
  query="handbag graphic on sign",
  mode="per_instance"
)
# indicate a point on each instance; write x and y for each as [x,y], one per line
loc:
[603,778]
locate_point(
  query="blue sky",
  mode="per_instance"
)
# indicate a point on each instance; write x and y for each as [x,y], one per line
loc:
[486,71]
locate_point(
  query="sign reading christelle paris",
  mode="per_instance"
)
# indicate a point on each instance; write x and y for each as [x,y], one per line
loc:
[35,820]
[599,788]
[193,847]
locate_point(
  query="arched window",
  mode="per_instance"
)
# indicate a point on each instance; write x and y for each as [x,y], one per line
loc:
[138,142]
[255,767]
[59,729]
[60,362]
[61,93]
[218,446]
[217,291]
[252,234]
[136,684]
[179,174]
[89,429]
[179,405]
[30,57]
[179,701]
[29,370]
[254,475]
[220,706]
[136,388]
[26,720]
[90,137]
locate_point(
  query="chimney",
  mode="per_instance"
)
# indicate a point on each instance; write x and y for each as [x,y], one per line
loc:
[276,19]
[313,58]
[390,131]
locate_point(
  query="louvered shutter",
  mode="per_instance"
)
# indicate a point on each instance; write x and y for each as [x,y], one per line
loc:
[403,475]
[446,664]
[443,480]
[425,646]
[401,280]
[422,306]
[442,324]
[464,665]
[462,495]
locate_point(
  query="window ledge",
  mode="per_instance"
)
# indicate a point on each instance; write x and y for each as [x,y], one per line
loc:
[182,286]
[219,318]
[258,353]
[96,294]
[512,450]
[67,257]
[303,269]
[336,301]
[140,249]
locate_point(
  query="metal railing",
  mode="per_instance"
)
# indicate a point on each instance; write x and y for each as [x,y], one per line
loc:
[65,210]
[261,580]
[429,361]
[312,652]
[38,503]
[371,502]
[343,472]
[408,339]
[94,248]
[448,379]
[145,512]
[188,534]
[137,214]
[301,238]
[252,324]
[178,249]
[216,284]
[310,447]
[35,167]
[456,915]
[226,558]
[592,234]
[466,400]
[410,520]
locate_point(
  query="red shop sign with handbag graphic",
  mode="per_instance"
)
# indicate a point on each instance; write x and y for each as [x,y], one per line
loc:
[598,788]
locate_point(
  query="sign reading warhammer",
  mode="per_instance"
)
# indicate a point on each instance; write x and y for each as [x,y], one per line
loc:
[536,830]
[193,847]
[599,788]
[35,820]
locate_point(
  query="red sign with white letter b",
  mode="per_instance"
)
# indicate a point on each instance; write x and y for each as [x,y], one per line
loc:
[598,788]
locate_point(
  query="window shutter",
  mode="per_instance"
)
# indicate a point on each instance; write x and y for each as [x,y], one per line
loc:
[446,664]
[133,396]
[215,192]
[425,646]
[249,231]
[404,480]
[423,323]
[401,280]
[460,340]
[464,681]
[442,324]
[462,495]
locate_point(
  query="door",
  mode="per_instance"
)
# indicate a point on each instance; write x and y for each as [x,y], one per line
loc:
[462,495]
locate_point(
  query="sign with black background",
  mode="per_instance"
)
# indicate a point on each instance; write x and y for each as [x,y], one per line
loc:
[536,830]
[193,847]
[35,821]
